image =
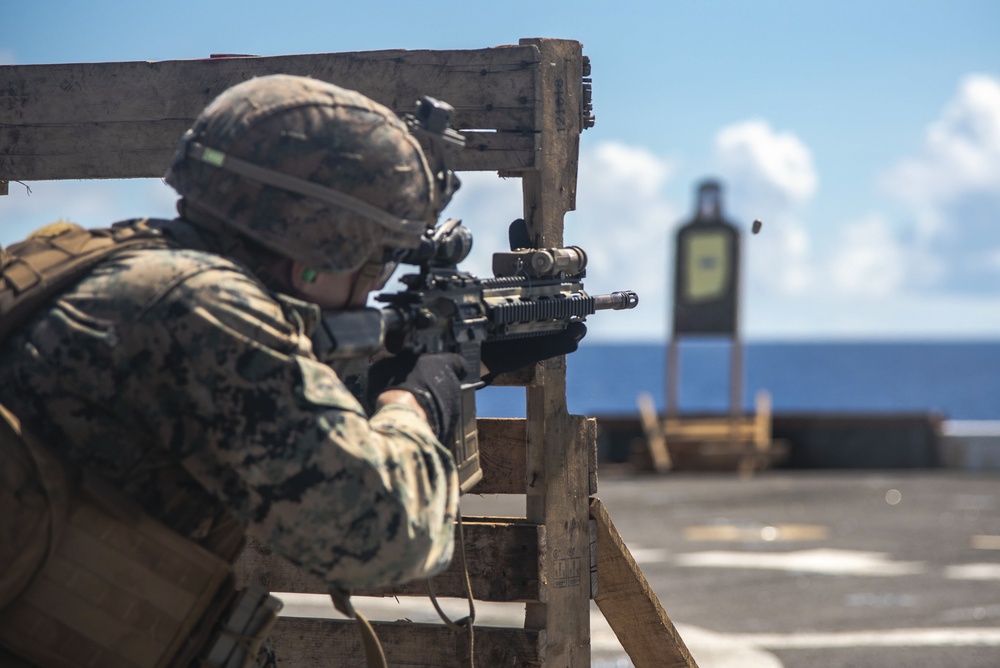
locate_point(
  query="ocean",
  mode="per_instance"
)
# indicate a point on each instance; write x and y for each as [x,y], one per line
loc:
[958,380]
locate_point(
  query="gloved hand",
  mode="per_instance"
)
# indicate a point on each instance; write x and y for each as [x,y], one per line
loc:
[435,380]
[505,356]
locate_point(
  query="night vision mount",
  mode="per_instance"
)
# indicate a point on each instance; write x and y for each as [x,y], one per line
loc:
[430,125]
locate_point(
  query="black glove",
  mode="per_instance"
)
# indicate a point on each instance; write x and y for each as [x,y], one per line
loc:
[505,356]
[435,381]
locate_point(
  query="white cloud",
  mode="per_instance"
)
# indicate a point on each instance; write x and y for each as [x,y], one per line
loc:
[612,169]
[486,204]
[961,151]
[626,223]
[951,188]
[870,260]
[770,171]
[932,273]
[771,175]
[7,57]
[621,209]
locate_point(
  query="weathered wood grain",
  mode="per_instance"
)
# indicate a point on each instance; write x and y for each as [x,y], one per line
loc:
[503,449]
[307,643]
[123,120]
[485,80]
[504,558]
[144,150]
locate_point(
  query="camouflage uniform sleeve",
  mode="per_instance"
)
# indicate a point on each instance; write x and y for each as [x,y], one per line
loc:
[235,393]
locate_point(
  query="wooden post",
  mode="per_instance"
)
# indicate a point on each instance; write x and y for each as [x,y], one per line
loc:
[556,473]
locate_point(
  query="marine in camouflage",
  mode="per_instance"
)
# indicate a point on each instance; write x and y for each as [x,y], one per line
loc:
[184,381]
[185,375]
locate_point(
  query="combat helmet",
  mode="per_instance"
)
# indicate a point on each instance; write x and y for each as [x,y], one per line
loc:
[311,171]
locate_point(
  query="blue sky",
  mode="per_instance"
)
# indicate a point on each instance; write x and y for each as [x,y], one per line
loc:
[866,136]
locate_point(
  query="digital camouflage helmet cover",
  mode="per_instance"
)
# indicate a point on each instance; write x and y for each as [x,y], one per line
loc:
[312,171]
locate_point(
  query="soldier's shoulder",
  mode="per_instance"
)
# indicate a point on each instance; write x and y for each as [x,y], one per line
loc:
[163,268]
[174,259]
[145,278]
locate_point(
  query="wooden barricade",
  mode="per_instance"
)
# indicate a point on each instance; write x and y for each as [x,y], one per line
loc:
[522,109]
[717,443]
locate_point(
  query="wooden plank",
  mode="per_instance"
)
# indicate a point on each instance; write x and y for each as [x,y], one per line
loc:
[502,451]
[482,79]
[144,150]
[309,643]
[505,560]
[502,444]
[629,604]
[121,120]
[485,150]
[711,429]
[557,474]
[519,378]
[744,456]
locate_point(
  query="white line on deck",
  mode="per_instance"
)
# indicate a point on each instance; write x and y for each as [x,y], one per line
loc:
[915,637]
[825,561]
[986,571]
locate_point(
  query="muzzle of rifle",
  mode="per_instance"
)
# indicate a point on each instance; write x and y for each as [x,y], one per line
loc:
[616,301]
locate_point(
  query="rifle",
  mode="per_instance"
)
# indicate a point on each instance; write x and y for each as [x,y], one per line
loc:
[444,309]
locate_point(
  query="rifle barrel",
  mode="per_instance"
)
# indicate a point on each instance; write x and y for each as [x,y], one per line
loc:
[616,301]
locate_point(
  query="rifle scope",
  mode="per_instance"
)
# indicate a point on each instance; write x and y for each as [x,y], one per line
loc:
[444,246]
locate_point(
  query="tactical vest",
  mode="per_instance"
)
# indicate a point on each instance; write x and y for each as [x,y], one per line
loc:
[87,578]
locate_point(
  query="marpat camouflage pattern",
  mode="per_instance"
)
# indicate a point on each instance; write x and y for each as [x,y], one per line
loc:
[327,135]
